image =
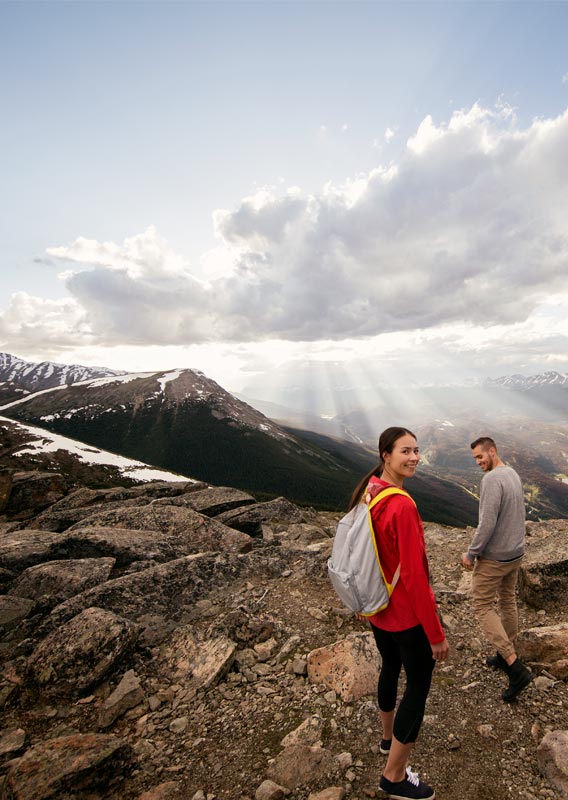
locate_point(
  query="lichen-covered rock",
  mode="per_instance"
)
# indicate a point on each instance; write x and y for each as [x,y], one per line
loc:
[543,578]
[128,694]
[32,491]
[350,666]
[20,549]
[14,609]
[552,756]
[124,544]
[11,742]
[68,766]
[211,501]
[161,590]
[62,579]
[78,654]
[546,646]
[5,487]
[186,527]
[197,664]
[249,518]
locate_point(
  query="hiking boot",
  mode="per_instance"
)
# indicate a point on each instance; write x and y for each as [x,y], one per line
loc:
[497,662]
[385,746]
[519,679]
[409,789]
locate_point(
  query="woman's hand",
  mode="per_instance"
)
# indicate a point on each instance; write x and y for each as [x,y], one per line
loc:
[440,650]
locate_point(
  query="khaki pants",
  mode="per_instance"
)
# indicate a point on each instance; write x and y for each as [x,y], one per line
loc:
[497,581]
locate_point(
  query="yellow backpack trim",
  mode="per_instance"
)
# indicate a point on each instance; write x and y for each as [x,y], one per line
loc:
[382,495]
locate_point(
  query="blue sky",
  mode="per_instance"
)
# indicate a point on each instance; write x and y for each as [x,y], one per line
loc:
[244,187]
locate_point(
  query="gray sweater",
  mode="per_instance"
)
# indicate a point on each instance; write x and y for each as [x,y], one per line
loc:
[500,534]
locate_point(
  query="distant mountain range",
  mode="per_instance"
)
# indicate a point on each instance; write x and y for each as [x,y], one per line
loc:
[183,422]
[524,382]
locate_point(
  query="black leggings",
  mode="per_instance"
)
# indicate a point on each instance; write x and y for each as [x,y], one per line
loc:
[409,649]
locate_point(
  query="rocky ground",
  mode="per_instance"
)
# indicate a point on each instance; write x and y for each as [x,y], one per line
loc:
[184,673]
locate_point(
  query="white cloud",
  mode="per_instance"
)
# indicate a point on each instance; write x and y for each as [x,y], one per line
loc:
[389,134]
[466,228]
[31,321]
[565,78]
[144,255]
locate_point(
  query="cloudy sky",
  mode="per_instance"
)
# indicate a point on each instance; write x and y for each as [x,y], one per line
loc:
[272,190]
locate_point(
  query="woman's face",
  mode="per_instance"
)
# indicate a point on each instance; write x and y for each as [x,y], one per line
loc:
[403,460]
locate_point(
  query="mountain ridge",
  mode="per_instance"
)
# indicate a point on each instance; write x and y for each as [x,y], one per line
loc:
[181,421]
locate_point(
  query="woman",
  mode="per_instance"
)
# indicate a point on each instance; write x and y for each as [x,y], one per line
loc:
[408,631]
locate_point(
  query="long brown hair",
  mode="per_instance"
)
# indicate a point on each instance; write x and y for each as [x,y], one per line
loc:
[386,443]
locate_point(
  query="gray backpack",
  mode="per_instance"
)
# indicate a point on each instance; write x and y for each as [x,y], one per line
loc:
[354,568]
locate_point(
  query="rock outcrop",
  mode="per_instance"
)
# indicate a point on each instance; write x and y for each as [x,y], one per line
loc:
[182,642]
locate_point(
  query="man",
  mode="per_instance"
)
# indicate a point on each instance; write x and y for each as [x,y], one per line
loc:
[495,556]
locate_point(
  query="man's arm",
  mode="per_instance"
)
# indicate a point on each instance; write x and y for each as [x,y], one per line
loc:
[489,505]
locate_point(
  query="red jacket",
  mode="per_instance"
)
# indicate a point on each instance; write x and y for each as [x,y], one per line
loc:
[400,538]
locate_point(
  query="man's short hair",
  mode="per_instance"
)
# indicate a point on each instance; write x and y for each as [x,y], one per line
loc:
[485,441]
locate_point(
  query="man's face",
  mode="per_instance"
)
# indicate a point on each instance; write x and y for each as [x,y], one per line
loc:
[485,458]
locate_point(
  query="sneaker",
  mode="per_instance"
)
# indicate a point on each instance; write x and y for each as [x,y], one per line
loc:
[385,746]
[519,679]
[411,788]
[497,662]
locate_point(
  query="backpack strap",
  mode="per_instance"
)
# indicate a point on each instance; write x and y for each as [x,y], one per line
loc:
[382,495]
[387,492]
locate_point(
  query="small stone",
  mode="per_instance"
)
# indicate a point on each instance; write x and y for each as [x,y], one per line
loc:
[542,683]
[268,790]
[164,791]
[178,725]
[11,741]
[345,760]
[331,793]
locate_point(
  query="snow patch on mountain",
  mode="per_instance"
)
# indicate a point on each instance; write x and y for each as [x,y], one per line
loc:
[169,376]
[47,442]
